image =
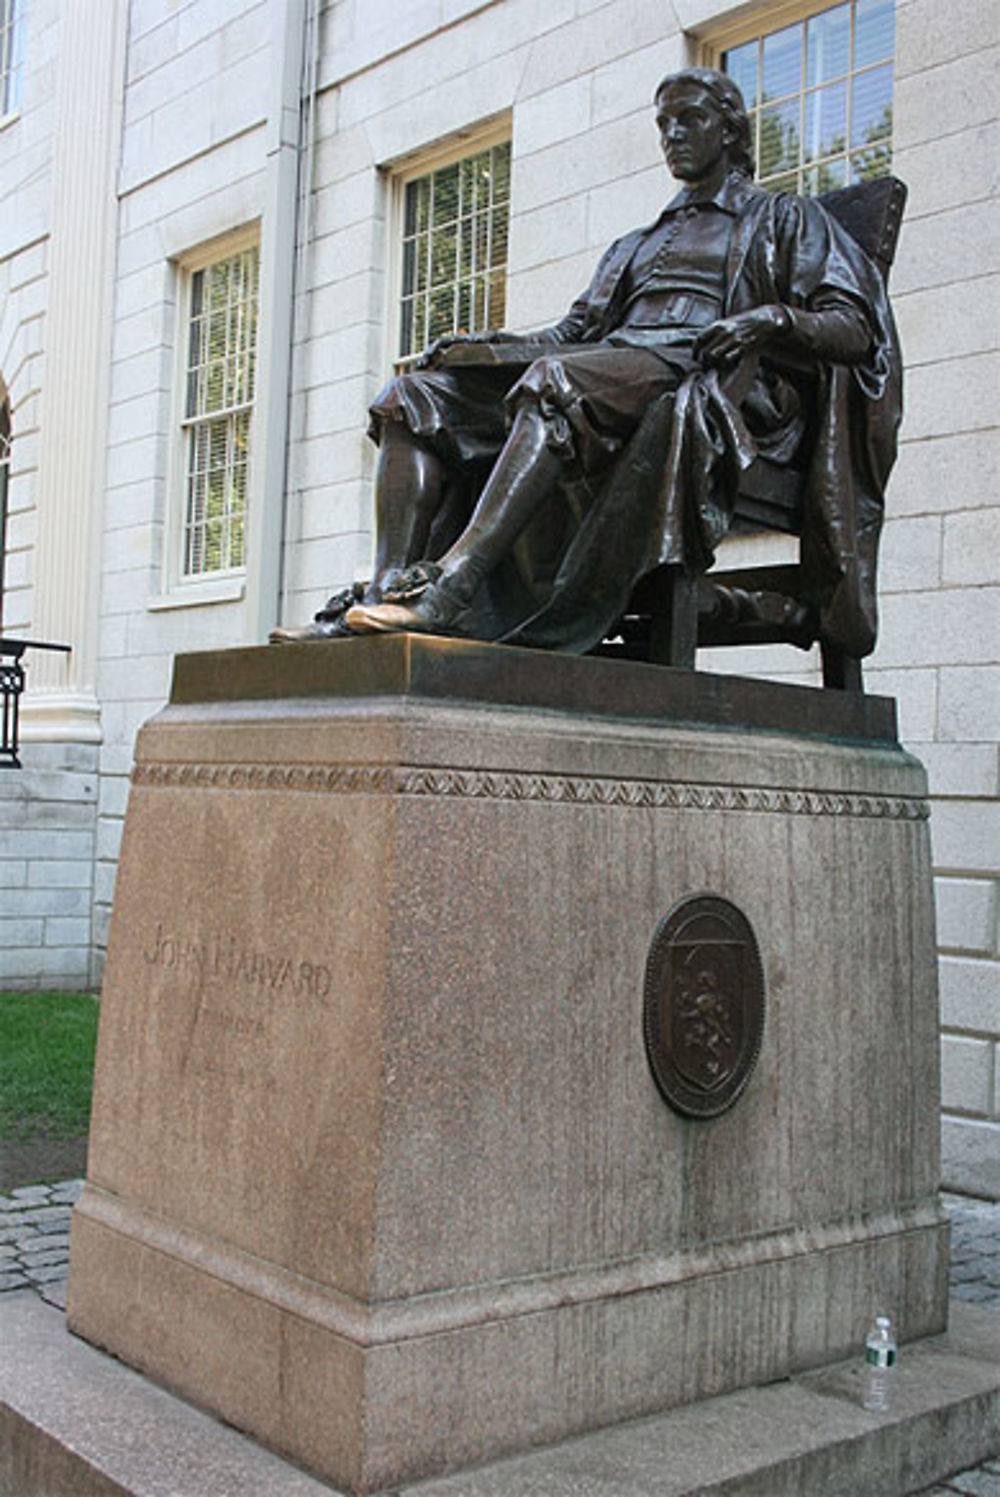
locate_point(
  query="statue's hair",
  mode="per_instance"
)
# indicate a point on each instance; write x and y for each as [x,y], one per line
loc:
[726,97]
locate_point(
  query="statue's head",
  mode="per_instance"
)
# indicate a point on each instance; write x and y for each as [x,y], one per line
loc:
[717,94]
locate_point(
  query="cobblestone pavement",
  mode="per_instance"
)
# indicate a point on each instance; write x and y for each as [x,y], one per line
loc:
[983,1481]
[975,1252]
[34,1238]
[34,1254]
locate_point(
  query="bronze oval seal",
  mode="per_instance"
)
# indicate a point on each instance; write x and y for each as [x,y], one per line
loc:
[703,1012]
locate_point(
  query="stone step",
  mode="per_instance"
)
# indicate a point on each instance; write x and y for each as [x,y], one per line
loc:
[76,1423]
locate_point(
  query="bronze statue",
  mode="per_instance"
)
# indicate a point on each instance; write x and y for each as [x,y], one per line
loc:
[526,482]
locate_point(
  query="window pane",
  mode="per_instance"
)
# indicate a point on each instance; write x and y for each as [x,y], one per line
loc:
[872,162]
[741,65]
[496,306]
[826,121]
[471,246]
[446,195]
[498,240]
[441,313]
[871,115]
[409,266]
[469,176]
[406,323]
[410,207]
[783,62]
[828,45]
[444,245]
[420,337]
[779,138]
[874,32]
[826,178]
[500,173]
[422,255]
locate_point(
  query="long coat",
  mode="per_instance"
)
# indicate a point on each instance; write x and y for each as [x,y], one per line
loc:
[671,493]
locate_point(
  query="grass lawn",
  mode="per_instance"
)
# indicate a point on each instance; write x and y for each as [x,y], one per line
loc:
[47,1045]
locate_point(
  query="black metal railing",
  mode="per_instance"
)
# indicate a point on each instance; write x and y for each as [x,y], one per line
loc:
[11,687]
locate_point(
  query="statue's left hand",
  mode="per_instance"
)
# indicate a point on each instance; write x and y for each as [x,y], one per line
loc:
[726,341]
[432,354]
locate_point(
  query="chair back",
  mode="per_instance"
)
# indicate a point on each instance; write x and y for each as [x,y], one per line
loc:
[871,212]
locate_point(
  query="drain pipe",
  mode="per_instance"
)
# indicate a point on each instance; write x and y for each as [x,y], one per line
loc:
[294,45]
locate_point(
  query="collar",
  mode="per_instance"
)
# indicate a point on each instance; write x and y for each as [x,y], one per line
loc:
[730,197]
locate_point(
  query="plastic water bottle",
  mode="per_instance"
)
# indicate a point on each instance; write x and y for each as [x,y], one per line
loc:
[880,1366]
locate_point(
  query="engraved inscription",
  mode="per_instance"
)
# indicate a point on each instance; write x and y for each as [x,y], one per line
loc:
[704,1005]
[243,1026]
[223,957]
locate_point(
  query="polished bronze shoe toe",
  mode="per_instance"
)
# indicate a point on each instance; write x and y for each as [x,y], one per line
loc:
[318,629]
[385,618]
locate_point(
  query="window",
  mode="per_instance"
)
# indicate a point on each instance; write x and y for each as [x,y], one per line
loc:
[454,223]
[219,375]
[819,93]
[11,50]
[4,477]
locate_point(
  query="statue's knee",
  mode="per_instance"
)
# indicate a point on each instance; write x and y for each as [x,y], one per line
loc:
[539,372]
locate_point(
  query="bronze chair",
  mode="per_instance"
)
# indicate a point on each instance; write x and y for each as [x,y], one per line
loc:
[671,612]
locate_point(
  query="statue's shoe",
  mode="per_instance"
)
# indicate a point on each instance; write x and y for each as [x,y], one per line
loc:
[387,618]
[318,629]
[433,611]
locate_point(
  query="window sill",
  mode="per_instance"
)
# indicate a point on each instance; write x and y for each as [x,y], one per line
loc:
[12,118]
[200,594]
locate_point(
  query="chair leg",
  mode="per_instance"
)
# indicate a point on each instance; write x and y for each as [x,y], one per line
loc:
[673,636]
[841,671]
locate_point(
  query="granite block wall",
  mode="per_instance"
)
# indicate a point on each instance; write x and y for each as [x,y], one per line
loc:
[48,816]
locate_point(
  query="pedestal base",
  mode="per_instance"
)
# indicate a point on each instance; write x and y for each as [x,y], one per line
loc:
[378,1168]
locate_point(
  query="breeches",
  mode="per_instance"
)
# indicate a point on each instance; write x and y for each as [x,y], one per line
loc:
[591,398]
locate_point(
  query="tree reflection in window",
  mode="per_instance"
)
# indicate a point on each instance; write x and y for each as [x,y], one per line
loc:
[819,93]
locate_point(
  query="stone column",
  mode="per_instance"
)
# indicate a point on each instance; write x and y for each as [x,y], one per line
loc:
[62,702]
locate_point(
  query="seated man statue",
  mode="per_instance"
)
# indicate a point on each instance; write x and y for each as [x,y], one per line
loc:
[521,501]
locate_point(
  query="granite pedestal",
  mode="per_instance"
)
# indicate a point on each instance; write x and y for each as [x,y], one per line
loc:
[378,1169]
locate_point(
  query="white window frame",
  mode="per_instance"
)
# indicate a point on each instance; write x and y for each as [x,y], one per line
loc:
[179,588]
[12,17]
[764,22]
[466,143]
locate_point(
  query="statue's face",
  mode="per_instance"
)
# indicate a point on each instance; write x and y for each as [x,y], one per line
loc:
[693,135]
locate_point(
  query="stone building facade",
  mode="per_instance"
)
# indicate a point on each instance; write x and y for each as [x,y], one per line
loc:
[226,255]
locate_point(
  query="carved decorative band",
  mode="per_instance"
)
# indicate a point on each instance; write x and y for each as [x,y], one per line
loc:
[485,784]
